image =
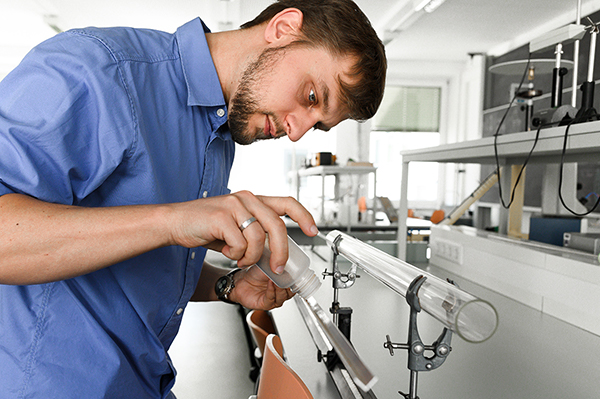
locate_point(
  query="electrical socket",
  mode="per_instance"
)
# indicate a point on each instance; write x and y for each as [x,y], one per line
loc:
[448,250]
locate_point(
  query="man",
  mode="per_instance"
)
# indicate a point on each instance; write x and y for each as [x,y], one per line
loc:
[116,146]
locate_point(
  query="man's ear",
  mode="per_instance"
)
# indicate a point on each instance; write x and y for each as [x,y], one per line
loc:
[284,27]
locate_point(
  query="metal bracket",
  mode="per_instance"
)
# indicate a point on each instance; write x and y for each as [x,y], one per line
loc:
[341,280]
[341,315]
[417,361]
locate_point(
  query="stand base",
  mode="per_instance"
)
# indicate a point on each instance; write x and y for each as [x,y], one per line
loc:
[554,116]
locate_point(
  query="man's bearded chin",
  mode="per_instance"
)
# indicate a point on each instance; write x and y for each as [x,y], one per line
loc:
[242,108]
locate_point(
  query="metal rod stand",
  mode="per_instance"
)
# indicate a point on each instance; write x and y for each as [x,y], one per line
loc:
[342,316]
[587,111]
[417,361]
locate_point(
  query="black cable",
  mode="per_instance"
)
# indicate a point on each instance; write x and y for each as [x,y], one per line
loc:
[496,141]
[560,178]
[587,115]
[583,116]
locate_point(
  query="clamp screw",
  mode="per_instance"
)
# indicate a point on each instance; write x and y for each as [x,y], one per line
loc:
[418,348]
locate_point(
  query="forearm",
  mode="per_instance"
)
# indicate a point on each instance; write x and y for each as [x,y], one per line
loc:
[44,242]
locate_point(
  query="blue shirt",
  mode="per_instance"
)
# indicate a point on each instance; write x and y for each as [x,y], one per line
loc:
[106,117]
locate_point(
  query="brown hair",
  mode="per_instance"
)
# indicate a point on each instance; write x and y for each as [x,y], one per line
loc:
[342,28]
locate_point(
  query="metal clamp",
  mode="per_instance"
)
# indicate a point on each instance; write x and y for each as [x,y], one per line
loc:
[417,361]
[340,280]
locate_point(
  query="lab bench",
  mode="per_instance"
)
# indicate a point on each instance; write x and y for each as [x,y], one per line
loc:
[531,355]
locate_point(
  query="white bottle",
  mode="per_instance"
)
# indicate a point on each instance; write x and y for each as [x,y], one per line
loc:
[297,274]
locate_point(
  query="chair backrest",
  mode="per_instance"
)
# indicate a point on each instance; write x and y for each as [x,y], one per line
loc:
[437,216]
[261,325]
[277,379]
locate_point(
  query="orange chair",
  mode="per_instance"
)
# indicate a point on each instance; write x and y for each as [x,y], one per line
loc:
[261,325]
[277,379]
[437,216]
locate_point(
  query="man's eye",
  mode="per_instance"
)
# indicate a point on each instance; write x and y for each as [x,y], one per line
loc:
[312,97]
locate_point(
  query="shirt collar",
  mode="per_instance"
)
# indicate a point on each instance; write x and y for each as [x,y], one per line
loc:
[204,87]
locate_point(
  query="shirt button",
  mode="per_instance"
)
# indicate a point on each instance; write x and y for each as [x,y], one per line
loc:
[205,194]
[220,112]
[193,255]
[179,311]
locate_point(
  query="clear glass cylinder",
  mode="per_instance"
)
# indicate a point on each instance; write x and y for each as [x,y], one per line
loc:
[473,319]
[297,274]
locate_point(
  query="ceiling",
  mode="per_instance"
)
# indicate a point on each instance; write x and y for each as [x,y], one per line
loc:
[450,33]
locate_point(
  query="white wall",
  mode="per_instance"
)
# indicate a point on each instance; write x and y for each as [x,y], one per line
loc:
[21,29]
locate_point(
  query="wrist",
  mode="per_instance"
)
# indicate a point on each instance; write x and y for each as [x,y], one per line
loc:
[225,286]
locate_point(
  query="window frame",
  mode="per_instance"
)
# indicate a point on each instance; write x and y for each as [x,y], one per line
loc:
[443,84]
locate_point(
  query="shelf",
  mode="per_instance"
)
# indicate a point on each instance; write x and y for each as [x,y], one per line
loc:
[583,144]
[336,170]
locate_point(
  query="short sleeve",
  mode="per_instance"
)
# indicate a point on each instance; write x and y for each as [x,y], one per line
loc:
[66,120]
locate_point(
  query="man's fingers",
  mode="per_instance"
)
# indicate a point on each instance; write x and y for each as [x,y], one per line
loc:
[271,224]
[282,295]
[268,211]
[238,225]
[277,296]
[255,237]
[298,213]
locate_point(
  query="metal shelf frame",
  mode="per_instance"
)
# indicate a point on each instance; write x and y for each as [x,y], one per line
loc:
[583,145]
[336,171]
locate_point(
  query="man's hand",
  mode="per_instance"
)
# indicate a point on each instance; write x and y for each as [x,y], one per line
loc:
[254,290]
[214,223]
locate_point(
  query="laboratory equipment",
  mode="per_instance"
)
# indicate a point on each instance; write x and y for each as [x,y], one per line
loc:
[473,319]
[360,373]
[533,67]
[588,242]
[417,361]
[587,111]
[301,279]
[557,113]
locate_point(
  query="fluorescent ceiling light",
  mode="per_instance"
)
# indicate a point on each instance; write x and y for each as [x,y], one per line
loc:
[428,5]
[406,13]
[421,4]
[433,5]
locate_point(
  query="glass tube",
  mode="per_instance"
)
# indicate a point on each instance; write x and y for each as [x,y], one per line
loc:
[473,319]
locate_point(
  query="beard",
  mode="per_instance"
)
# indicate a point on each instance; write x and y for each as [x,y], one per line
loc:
[245,102]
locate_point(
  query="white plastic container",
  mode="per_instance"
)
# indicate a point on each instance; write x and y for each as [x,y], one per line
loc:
[297,274]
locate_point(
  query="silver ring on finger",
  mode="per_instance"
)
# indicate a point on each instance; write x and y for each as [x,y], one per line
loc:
[247,223]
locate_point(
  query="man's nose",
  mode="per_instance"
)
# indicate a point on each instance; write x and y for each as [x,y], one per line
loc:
[300,123]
